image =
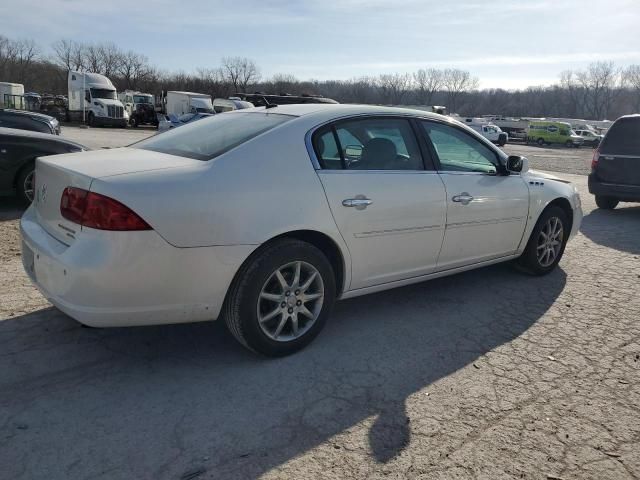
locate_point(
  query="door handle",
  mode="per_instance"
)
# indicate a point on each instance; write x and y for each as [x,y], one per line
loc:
[464,198]
[360,203]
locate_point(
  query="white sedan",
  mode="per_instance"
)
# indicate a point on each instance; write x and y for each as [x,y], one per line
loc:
[264,217]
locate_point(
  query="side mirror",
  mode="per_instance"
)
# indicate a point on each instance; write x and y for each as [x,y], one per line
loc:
[517,164]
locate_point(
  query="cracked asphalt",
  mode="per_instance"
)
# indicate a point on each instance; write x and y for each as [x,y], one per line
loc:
[489,374]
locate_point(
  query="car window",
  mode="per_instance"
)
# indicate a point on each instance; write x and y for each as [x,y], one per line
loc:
[213,136]
[327,150]
[623,138]
[369,144]
[458,151]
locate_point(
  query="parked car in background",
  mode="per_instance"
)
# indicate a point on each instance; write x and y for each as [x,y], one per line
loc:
[167,122]
[615,169]
[262,100]
[221,105]
[546,132]
[24,120]
[18,152]
[54,106]
[590,137]
[264,217]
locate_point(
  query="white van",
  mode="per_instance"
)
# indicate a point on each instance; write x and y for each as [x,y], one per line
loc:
[94,100]
[179,103]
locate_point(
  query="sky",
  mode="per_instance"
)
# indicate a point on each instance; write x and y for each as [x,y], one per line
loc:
[506,44]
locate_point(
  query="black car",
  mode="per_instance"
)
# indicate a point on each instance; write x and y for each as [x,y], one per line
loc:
[615,169]
[18,151]
[35,122]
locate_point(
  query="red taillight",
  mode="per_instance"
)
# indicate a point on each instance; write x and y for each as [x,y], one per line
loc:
[91,209]
[596,157]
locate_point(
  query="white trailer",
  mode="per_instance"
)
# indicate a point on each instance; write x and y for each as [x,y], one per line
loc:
[93,99]
[179,103]
[11,95]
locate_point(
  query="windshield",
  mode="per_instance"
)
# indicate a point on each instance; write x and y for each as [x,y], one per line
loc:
[103,93]
[210,137]
[142,99]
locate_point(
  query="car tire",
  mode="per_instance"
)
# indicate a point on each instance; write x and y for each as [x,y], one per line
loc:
[262,312]
[537,259]
[24,180]
[568,144]
[606,203]
[540,142]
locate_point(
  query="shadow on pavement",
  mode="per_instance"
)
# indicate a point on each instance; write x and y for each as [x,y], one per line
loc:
[156,402]
[11,208]
[618,228]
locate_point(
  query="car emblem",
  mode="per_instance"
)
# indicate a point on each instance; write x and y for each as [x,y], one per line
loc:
[43,193]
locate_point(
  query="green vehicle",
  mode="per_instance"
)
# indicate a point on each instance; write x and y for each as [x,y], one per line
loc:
[543,132]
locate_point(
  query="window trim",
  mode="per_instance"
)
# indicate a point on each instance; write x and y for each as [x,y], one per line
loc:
[426,160]
[500,168]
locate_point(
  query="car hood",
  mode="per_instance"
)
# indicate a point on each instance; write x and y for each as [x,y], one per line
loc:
[545,175]
[108,101]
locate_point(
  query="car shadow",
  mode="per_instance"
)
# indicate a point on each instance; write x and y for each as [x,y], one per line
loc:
[618,228]
[167,401]
[11,208]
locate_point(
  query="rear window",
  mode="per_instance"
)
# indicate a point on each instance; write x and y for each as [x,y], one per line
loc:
[210,137]
[623,138]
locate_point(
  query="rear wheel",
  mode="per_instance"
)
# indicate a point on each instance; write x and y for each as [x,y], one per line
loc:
[281,298]
[569,144]
[546,243]
[26,183]
[606,203]
[540,141]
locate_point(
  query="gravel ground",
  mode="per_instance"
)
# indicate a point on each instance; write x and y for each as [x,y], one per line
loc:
[487,374]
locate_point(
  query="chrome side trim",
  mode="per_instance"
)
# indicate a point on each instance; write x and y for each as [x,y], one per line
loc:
[485,222]
[396,231]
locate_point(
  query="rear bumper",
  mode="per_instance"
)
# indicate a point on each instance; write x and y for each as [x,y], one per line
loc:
[624,193]
[115,279]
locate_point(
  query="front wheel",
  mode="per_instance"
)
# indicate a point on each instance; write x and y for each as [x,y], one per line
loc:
[281,298]
[546,243]
[606,203]
[540,142]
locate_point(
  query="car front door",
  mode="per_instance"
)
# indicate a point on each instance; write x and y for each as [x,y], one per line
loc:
[388,204]
[486,210]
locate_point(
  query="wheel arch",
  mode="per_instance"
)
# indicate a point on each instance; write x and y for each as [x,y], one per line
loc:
[25,164]
[563,204]
[326,245]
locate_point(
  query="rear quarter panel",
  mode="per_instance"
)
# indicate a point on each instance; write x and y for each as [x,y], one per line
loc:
[261,189]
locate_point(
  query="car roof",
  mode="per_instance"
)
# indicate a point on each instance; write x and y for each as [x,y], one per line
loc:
[15,132]
[27,113]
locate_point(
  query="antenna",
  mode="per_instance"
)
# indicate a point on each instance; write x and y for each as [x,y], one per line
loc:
[268,105]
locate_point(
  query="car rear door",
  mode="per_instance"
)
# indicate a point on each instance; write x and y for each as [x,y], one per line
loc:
[389,207]
[486,212]
[619,155]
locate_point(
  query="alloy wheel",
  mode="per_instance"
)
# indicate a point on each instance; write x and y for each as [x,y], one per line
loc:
[550,242]
[290,301]
[28,185]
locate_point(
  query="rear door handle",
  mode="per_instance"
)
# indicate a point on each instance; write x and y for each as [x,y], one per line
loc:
[464,198]
[360,203]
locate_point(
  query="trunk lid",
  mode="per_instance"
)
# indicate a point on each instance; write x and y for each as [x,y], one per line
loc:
[619,160]
[57,172]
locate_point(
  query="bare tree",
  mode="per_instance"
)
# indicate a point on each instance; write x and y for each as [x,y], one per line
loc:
[282,83]
[631,79]
[240,72]
[111,58]
[456,83]
[134,69]
[394,87]
[68,54]
[428,82]
[600,84]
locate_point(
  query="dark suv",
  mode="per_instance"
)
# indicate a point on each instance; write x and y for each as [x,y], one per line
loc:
[23,120]
[615,169]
